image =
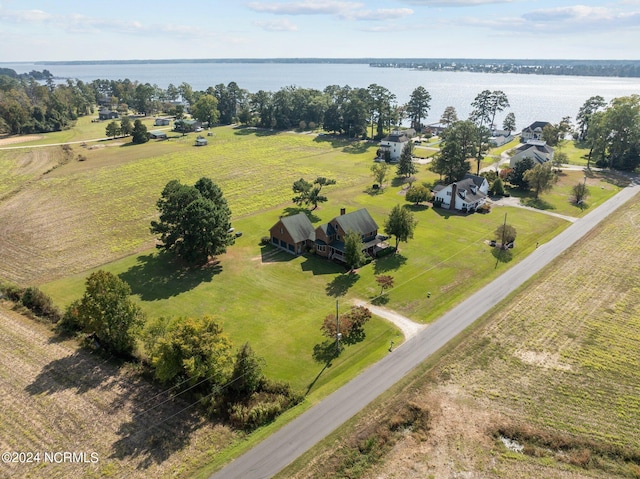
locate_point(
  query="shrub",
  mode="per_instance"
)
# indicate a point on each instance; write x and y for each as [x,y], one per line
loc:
[70,322]
[11,291]
[40,304]
[265,240]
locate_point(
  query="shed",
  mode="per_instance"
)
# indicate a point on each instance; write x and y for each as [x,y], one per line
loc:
[158,135]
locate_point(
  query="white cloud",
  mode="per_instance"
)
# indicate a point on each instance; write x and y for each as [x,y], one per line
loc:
[576,19]
[277,25]
[342,10]
[455,3]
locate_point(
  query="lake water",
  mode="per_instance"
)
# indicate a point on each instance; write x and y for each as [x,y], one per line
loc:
[532,97]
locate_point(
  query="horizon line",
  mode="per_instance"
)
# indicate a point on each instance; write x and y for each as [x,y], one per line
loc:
[312,60]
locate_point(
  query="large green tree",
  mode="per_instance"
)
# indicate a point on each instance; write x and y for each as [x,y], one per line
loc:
[194,222]
[401,224]
[449,116]
[509,122]
[591,106]
[206,109]
[107,310]
[406,166]
[418,106]
[540,178]
[380,172]
[310,193]
[460,142]
[417,194]
[139,134]
[516,176]
[191,352]
[353,255]
[112,129]
[380,108]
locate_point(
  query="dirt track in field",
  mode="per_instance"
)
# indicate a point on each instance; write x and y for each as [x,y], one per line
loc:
[56,398]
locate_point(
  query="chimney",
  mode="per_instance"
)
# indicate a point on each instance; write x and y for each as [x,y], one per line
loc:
[342,211]
[454,190]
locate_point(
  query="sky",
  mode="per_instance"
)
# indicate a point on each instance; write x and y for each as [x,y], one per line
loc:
[62,30]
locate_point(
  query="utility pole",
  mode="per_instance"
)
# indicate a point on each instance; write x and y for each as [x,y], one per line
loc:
[504,227]
[338,333]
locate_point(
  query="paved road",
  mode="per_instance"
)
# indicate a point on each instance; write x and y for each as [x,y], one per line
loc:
[284,446]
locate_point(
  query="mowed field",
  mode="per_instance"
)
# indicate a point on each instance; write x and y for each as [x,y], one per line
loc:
[56,399]
[555,368]
[84,214]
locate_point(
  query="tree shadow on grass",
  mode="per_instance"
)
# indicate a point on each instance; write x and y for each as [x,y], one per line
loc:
[161,276]
[318,265]
[537,203]
[324,352]
[294,210]
[380,300]
[417,208]
[398,181]
[348,145]
[341,284]
[272,254]
[388,263]
[253,130]
[371,191]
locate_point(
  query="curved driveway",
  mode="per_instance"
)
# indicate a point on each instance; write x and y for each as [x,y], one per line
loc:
[281,448]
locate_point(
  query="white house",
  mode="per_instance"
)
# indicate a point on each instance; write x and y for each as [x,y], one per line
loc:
[465,195]
[393,144]
[533,131]
[537,150]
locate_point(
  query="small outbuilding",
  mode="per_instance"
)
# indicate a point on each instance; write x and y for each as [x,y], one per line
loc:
[106,114]
[157,135]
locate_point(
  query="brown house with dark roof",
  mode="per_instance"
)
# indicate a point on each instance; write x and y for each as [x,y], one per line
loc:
[295,233]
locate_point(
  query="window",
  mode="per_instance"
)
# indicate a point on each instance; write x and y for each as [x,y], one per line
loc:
[322,247]
[448,193]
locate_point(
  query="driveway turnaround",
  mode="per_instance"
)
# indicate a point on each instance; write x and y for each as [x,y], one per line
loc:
[284,446]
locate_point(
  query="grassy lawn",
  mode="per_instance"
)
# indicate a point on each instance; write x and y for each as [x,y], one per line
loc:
[553,367]
[602,186]
[84,129]
[96,213]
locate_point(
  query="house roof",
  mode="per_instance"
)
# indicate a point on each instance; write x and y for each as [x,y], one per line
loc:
[396,138]
[535,125]
[299,227]
[466,185]
[477,180]
[359,221]
[540,146]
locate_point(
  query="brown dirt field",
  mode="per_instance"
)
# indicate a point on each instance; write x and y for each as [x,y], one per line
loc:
[10,140]
[57,398]
[560,357]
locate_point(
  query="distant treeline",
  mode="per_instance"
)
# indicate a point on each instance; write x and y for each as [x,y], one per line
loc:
[542,67]
[36,75]
[610,68]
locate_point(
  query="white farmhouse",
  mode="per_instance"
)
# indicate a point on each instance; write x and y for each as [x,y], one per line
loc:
[465,195]
[393,144]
